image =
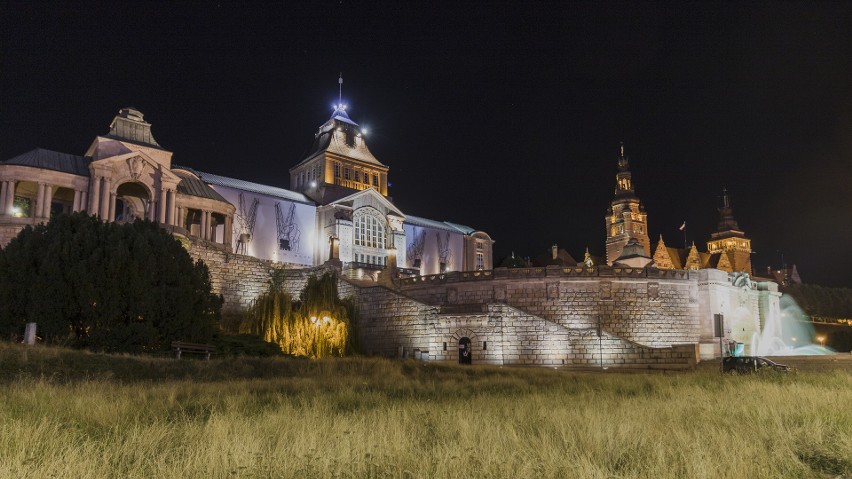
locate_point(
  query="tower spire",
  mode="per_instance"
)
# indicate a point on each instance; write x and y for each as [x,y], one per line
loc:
[340,90]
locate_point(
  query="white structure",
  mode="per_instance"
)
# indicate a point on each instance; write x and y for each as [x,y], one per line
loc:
[341,195]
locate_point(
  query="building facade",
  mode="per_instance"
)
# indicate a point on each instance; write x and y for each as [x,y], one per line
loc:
[338,194]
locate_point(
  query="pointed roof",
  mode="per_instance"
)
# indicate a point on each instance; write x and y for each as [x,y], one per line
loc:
[341,136]
[52,160]
[623,182]
[727,226]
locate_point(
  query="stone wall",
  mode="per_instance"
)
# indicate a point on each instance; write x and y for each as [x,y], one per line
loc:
[649,307]
[392,324]
[241,279]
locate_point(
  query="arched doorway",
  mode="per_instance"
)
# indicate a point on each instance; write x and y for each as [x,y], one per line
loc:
[131,202]
[465,351]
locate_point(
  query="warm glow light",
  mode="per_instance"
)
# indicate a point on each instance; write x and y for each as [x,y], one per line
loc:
[326,319]
[313,319]
[16,212]
[821,339]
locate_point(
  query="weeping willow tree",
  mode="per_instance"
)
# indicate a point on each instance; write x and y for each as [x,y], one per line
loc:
[316,326]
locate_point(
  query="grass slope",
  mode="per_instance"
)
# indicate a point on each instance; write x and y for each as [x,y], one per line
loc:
[67,413]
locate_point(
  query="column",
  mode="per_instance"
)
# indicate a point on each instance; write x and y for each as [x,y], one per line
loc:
[105,199]
[84,199]
[179,219]
[48,199]
[162,206]
[76,206]
[39,201]
[170,207]
[3,187]
[112,206]
[93,198]
[227,237]
[10,197]
[203,228]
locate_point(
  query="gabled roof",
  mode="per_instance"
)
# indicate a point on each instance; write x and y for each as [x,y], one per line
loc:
[373,193]
[52,160]
[248,186]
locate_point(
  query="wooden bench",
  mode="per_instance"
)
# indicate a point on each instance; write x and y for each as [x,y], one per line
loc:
[182,347]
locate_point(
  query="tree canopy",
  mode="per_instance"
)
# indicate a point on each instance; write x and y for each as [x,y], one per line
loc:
[109,286]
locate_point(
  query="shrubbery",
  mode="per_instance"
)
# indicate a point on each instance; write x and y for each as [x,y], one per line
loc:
[107,286]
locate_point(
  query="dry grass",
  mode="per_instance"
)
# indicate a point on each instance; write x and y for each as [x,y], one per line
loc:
[70,414]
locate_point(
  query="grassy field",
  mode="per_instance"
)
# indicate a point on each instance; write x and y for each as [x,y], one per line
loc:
[67,413]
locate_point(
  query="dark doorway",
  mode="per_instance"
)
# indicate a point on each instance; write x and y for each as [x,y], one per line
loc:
[465,352]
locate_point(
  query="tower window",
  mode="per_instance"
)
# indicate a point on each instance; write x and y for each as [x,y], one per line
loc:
[336,170]
[357,176]
[375,179]
[346,173]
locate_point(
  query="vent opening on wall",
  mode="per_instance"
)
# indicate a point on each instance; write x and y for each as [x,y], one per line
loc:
[445,346]
[485,345]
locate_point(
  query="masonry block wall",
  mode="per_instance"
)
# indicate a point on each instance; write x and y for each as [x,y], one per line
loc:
[658,311]
[241,279]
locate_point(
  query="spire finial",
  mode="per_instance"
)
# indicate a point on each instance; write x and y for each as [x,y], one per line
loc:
[622,149]
[725,201]
[340,90]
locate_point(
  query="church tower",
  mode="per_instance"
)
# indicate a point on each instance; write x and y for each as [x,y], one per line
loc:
[729,241]
[626,218]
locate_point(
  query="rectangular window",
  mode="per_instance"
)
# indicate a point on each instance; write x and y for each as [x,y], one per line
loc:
[336,169]
[346,173]
[480,261]
[375,180]
[485,345]
[357,176]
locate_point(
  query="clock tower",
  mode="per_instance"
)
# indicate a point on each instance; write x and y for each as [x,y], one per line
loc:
[625,218]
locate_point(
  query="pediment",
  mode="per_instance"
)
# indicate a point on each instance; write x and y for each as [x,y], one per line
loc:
[372,198]
[135,166]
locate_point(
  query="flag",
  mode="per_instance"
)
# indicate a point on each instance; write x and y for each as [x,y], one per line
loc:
[683,226]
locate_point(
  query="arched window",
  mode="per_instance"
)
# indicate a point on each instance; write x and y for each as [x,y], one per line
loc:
[370,231]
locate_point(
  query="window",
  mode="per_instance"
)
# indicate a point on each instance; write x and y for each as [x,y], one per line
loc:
[376,180]
[357,176]
[480,246]
[480,261]
[370,232]
[336,170]
[346,173]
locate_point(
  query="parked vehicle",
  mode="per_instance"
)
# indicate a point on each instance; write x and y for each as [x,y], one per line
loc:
[752,364]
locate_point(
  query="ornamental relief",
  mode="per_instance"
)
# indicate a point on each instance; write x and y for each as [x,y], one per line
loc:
[135,167]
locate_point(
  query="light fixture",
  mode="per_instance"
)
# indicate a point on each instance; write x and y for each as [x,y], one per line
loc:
[363,131]
[313,184]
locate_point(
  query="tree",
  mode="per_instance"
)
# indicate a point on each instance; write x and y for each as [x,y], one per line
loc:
[109,286]
[316,326]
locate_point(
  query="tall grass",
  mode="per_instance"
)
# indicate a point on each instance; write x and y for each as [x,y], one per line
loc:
[120,416]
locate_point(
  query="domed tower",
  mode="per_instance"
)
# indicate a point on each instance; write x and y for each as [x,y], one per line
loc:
[626,218]
[338,162]
[729,241]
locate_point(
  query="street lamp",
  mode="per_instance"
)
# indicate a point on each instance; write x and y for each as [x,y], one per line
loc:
[821,340]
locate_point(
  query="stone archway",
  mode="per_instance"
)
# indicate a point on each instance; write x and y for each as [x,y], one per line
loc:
[132,202]
[465,339]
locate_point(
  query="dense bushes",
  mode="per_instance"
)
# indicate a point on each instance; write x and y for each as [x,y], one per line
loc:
[116,287]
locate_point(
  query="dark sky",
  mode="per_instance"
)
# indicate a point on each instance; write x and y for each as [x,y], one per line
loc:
[503,116]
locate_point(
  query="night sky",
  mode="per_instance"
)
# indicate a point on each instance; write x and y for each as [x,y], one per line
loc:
[503,116]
